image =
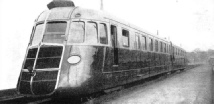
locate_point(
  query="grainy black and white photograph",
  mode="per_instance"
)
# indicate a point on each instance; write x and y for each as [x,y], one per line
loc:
[106,51]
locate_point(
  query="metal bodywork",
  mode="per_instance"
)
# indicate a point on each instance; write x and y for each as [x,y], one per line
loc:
[102,66]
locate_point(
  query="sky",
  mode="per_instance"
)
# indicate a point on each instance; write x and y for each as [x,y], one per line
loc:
[187,23]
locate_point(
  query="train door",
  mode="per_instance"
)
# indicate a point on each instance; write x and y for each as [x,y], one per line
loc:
[114,44]
[172,58]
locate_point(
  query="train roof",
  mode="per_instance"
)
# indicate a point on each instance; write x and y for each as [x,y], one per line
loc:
[105,16]
[72,12]
[83,13]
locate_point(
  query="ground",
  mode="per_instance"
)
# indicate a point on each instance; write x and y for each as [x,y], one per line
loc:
[193,86]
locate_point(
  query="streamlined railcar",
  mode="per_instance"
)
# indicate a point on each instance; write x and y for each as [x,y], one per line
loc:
[76,51]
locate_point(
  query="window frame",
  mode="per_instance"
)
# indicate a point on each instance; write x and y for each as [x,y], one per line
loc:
[34,30]
[164,47]
[99,36]
[137,41]
[84,37]
[86,27]
[143,37]
[126,30]
[161,46]
[151,44]
[55,33]
[156,45]
[67,26]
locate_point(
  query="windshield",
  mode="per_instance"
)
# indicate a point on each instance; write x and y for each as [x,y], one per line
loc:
[76,32]
[91,34]
[55,32]
[37,34]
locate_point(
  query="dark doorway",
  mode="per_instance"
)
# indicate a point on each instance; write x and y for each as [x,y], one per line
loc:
[114,44]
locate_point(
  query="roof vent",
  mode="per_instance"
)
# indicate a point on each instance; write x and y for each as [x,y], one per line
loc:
[60,3]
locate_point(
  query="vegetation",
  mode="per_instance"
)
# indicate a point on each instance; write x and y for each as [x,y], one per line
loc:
[199,56]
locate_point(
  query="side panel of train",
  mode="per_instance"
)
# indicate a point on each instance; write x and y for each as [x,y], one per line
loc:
[97,70]
[104,67]
[179,58]
[133,60]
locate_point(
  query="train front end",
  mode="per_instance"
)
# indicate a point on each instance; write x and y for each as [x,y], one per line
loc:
[56,60]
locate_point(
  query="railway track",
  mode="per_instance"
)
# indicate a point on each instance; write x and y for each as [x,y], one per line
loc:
[134,86]
[24,100]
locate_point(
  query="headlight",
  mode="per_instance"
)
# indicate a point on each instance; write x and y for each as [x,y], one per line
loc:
[74,59]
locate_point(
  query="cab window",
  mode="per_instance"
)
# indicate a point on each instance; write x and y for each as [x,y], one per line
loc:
[91,32]
[76,32]
[37,37]
[55,32]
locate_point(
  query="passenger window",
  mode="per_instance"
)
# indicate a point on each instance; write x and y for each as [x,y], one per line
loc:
[179,52]
[161,47]
[164,48]
[173,50]
[76,32]
[151,44]
[103,34]
[125,36]
[137,40]
[156,45]
[91,32]
[144,43]
[176,51]
[167,48]
[139,44]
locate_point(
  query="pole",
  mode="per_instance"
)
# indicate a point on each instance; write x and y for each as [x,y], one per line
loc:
[101,4]
[157,32]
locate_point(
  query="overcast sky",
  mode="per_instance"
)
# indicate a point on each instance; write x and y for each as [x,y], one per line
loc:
[188,23]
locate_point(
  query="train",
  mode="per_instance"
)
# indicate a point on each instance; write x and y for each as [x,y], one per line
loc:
[76,51]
